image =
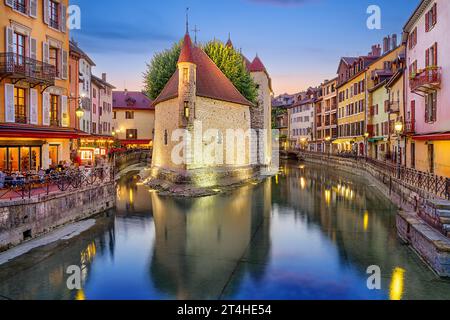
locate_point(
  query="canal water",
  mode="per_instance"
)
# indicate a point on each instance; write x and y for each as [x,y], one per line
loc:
[308,233]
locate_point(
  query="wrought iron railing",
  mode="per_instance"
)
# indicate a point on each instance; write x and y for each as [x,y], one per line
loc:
[13,64]
[433,184]
[429,76]
[33,184]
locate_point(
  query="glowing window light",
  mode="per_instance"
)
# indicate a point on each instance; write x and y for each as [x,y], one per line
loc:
[302,183]
[366,221]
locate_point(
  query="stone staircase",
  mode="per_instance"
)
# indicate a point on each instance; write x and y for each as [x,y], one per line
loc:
[437,214]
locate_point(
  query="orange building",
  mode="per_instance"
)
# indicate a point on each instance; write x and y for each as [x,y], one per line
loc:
[35,117]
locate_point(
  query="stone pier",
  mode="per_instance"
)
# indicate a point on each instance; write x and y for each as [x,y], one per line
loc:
[22,220]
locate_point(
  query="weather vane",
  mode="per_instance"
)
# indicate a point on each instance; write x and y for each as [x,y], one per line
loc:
[187,19]
[195,30]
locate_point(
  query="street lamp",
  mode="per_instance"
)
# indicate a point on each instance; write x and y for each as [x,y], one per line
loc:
[366,141]
[399,130]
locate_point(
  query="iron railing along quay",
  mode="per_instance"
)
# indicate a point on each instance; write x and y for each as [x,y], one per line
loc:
[438,186]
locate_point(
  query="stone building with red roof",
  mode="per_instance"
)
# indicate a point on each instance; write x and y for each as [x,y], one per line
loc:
[201,102]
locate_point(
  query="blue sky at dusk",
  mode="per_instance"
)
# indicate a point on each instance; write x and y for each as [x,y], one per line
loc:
[299,41]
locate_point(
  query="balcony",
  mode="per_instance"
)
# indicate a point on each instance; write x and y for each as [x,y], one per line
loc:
[18,67]
[394,106]
[410,127]
[426,81]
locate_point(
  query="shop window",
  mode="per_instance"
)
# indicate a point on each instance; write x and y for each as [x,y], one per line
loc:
[13,159]
[25,164]
[53,155]
[3,159]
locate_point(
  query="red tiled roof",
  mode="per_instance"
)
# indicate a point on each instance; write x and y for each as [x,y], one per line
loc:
[131,100]
[211,82]
[247,63]
[257,65]
[186,50]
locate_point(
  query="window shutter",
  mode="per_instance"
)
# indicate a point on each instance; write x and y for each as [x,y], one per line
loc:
[433,107]
[10,115]
[427,57]
[63,15]
[46,12]
[9,3]
[9,35]
[33,48]
[46,109]
[65,62]
[436,54]
[32,5]
[33,106]
[46,52]
[64,112]
[434,18]
[427,21]
[427,109]
[60,64]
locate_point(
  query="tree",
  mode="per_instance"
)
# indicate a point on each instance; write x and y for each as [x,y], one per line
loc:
[232,64]
[227,59]
[160,69]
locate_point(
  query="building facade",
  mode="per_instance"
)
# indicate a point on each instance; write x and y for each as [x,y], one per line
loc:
[85,91]
[35,119]
[427,123]
[133,119]
[327,118]
[301,120]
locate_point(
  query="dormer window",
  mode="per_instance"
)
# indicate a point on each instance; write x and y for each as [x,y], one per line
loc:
[185,75]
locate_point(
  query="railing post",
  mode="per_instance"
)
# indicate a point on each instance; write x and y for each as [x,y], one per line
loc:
[447,189]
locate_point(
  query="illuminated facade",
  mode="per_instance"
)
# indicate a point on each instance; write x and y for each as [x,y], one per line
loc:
[35,120]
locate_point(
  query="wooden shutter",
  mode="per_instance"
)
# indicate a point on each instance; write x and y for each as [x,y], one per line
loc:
[60,63]
[32,8]
[33,106]
[10,114]
[63,15]
[427,21]
[9,39]
[436,54]
[33,48]
[434,106]
[45,52]
[64,112]
[45,3]
[65,63]
[427,57]
[427,109]
[46,109]
[9,3]
[434,13]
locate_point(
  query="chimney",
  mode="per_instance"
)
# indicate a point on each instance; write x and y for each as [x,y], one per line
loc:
[394,41]
[376,51]
[386,44]
[104,77]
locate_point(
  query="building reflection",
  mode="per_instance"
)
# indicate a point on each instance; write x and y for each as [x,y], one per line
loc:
[198,241]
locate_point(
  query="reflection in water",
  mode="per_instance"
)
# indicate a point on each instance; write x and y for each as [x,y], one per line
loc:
[307,233]
[397,284]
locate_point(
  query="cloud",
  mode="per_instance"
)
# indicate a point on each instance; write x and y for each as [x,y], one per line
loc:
[284,3]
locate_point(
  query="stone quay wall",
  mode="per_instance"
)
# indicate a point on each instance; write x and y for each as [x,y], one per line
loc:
[22,220]
[427,241]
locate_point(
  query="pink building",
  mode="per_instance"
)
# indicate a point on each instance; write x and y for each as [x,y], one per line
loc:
[427,87]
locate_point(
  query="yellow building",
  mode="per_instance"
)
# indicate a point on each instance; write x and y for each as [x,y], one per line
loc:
[35,128]
[133,119]
[384,103]
[352,118]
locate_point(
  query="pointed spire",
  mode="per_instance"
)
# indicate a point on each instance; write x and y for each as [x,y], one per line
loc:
[186,50]
[229,43]
[257,65]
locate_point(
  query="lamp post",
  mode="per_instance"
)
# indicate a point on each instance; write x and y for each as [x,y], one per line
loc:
[399,131]
[366,142]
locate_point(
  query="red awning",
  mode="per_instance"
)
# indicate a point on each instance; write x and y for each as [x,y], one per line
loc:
[433,137]
[127,142]
[40,132]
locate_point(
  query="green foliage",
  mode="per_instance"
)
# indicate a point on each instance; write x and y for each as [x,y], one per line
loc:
[230,62]
[160,69]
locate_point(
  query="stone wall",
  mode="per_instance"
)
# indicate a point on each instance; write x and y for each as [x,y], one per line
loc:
[22,220]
